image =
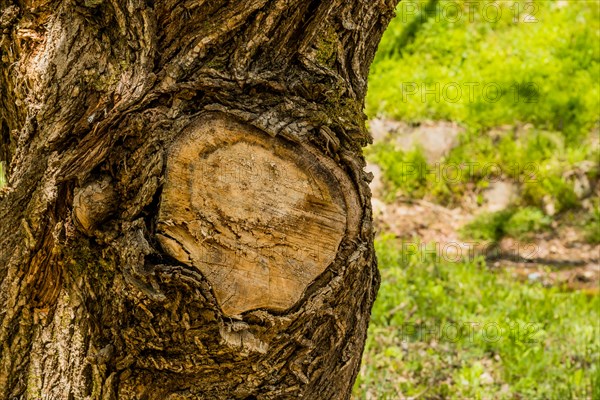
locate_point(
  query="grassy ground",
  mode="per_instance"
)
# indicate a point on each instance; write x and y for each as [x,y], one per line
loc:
[538,129]
[457,330]
[444,329]
[552,63]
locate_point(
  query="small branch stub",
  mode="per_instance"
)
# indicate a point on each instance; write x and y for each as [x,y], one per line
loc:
[260,217]
[93,203]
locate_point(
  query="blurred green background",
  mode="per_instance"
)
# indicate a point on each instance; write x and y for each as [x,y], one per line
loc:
[517,86]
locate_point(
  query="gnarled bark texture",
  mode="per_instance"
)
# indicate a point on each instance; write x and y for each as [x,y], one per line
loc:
[187,214]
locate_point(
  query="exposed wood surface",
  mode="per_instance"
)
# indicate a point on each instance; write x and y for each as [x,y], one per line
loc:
[260,217]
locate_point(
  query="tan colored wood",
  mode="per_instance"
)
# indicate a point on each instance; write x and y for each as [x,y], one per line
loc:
[93,203]
[259,217]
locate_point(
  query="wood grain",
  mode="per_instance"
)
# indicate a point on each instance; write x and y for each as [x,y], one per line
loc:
[261,218]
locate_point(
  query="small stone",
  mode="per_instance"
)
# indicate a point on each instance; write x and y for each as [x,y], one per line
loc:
[486,378]
[534,276]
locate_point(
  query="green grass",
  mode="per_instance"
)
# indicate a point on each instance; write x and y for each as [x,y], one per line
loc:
[2,176]
[404,171]
[513,222]
[536,162]
[553,65]
[533,140]
[456,330]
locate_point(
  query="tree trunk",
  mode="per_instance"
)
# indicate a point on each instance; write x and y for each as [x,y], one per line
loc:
[187,214]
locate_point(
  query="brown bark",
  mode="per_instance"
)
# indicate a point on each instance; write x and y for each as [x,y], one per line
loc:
[97,297]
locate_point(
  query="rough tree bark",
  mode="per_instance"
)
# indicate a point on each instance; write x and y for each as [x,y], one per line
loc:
[187,214]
